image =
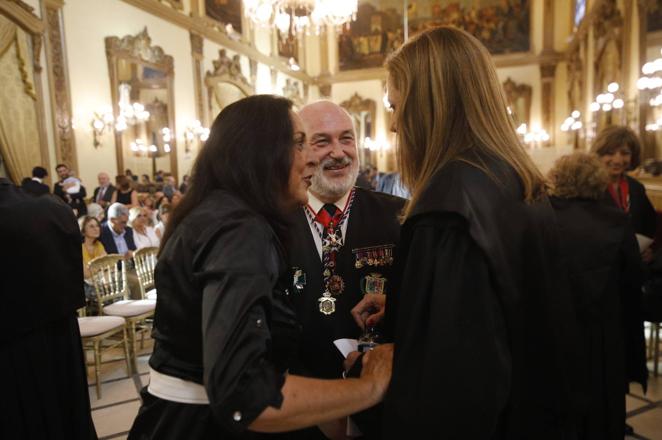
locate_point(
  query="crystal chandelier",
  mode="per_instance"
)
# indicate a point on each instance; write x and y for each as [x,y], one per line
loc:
[294,16]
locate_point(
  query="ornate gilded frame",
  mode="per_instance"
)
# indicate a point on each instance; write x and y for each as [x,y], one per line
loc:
[226,71]
[138,48]
[516,92]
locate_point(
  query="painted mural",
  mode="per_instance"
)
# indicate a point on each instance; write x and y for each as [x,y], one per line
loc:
[502,25]
[225,11]
[654,18]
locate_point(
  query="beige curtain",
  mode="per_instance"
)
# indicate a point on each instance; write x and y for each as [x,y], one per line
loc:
[19,129]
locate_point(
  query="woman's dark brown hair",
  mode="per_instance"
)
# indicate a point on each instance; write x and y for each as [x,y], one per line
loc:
[83,225]
[612,138]
[123,182]
[249,153]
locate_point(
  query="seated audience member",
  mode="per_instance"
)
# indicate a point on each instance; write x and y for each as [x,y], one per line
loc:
[164,214]
[125,193]
[159,176]
[147,202]
[391,183]
[160,199]
[44,383]
[176,198]
[143,234]
[169,187]
[145,180]
[184,186]
[95,210]
[90,228]
[103,194]
[70,190]
[35,186]
[130,175]
[601,254]
[116,236]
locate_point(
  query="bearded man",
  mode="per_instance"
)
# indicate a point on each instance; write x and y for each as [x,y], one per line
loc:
[342,245]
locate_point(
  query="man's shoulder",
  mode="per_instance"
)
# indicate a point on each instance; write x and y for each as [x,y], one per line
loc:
[382,201]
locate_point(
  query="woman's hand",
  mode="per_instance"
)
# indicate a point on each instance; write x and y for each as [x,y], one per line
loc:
[370,310]
[377,367]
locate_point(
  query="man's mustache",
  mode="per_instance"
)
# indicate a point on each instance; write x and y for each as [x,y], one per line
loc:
[335,163]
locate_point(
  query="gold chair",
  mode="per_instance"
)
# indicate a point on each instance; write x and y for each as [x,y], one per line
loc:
[112,293]
[94,331]
[145,261]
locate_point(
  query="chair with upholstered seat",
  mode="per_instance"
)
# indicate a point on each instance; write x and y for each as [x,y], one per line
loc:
[112,292]
[100,334]
[145,261]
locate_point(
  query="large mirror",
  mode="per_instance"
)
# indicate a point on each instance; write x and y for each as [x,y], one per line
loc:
[364,115]
[519,101]
[142,83]
[225,84]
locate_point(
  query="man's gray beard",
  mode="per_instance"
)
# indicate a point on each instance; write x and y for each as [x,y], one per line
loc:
[333,189]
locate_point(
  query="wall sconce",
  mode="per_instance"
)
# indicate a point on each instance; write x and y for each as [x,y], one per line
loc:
[101,122]
[194,133]
[379,144]
[535,138]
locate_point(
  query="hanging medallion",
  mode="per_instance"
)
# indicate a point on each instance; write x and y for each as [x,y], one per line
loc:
[327,303]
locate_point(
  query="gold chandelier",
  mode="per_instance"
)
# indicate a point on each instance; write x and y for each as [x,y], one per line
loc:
[294,16]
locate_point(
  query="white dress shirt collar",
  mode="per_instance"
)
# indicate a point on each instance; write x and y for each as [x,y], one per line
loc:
[316,204]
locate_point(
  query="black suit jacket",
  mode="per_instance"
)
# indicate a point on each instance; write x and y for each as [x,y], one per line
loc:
[42,262]
[107,196]
[372,223]
[108,241]
[33,187]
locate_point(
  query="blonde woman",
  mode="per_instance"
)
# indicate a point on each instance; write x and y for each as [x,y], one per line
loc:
[478,316]
[143,234]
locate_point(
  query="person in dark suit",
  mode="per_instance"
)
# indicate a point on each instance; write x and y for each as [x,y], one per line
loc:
[42,373]
[344,242]
[601,254]
[116,236]
[36,185]
[103,193]
[76,201]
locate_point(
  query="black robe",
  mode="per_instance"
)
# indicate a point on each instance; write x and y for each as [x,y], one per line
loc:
[599,249]
[42,368]
[481,318]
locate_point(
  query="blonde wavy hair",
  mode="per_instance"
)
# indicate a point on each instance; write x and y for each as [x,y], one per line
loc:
[452,102]
[578,175]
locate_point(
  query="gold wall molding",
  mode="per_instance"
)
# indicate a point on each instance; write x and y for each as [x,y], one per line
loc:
[59,87]
[212,33]
[197,58]
[21,14]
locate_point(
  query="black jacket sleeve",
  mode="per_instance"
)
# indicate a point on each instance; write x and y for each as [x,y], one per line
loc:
[238,271]
[452,365]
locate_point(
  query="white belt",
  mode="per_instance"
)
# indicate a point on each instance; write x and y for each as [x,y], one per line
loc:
[176,389]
